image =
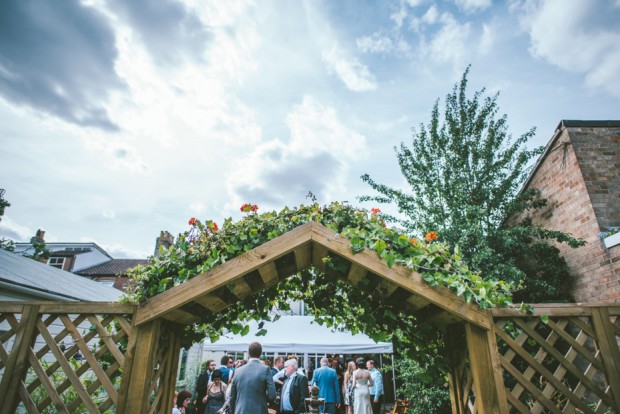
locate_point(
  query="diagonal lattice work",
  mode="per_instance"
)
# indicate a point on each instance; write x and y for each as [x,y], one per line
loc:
[164,371]
[65,358]
[560,362]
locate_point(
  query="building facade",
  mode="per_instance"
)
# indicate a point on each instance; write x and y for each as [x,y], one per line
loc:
[579,175]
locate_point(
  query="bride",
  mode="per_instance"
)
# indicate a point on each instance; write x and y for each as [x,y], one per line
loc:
[361,382]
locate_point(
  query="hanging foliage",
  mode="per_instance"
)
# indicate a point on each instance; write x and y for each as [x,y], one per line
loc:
[332,301]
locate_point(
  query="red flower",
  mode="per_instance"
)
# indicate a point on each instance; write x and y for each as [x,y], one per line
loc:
[246,208]
[215,227]
[431,235]
[192,221]
[374,211]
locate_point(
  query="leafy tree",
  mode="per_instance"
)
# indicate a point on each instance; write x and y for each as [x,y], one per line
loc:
[5,243]
[464,173]
[40,252]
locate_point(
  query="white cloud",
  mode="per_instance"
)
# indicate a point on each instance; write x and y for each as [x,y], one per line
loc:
[14,231]
[451,43]
[108,214]
[486,39]
[383,44]
[316,158]
[197,207]
[353,74]
[568,35]
[470,6]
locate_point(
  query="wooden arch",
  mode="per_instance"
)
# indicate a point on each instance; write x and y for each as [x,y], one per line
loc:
[282,257]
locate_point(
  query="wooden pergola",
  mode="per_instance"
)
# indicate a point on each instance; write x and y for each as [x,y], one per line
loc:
[148,362]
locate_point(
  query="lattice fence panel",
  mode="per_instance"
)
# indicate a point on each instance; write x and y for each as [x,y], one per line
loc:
[554,365]
[73,362]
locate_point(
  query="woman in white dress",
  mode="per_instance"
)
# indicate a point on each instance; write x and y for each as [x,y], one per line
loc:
[361,382]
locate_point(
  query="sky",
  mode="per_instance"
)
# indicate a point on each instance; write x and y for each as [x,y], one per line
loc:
[120,119]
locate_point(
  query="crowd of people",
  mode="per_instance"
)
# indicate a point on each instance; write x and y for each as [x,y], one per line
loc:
[261,386]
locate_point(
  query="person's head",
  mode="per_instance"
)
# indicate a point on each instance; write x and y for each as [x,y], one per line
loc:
[183,398]
[351,367]
[217,375]
[361,364]
[324,361]
[335,361]
[370,364]
[255,349]
[224,360]
[290,366]
[278,363]
[211,365]
[231,362]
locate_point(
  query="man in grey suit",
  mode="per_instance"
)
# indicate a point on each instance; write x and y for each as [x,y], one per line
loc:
[252,385]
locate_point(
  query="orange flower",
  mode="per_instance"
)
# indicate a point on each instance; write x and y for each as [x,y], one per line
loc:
[414,240]
[374,211]
[192,221]
[431,235]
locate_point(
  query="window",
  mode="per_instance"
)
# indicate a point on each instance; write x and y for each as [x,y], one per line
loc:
[57,262]
[106,282]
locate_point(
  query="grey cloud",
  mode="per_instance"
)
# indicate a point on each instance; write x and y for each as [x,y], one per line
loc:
[293,179]
[168,29]
[58,57]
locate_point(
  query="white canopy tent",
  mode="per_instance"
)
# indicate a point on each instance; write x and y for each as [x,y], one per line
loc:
[300,335]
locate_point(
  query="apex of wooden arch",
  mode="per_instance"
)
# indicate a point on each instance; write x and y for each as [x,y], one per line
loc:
[295,251]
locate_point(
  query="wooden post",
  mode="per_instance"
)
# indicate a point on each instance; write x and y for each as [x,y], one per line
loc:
[136,383]
[172,366]
[456,353]
[17,363]
[606,338]
[486,370]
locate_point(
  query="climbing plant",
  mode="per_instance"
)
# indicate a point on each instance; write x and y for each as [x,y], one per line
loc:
[332,301]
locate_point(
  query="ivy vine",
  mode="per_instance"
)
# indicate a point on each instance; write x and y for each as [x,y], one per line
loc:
[331,300]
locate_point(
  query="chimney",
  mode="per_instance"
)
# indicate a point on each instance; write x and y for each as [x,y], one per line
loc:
[39,238]
[164,240]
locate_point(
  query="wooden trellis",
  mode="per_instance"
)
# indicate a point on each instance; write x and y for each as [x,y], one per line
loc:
[123,358]
[562,359]
[64,357]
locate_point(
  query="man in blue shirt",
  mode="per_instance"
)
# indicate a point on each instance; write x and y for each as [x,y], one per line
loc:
[326,379]
[294,390]
[227,363]
[376,391]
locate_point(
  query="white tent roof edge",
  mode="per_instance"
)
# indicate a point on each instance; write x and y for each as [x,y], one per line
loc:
[300,334]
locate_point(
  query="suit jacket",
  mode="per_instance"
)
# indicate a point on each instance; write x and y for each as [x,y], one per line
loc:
[326,379]
[297,393]
[252,386]
[201,389]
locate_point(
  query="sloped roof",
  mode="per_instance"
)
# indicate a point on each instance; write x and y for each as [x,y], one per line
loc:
[25,273]
[115,267]
[301,248]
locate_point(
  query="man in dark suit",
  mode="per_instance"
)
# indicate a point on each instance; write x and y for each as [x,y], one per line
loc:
[252,385]
[201,385]
[326,379]
[294,390]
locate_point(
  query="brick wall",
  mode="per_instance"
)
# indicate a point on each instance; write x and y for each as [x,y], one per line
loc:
[574,202]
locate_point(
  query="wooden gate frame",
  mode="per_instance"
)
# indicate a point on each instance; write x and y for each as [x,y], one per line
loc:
[286,255]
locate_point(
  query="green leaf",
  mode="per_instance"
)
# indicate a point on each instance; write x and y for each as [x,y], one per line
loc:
[380,246]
